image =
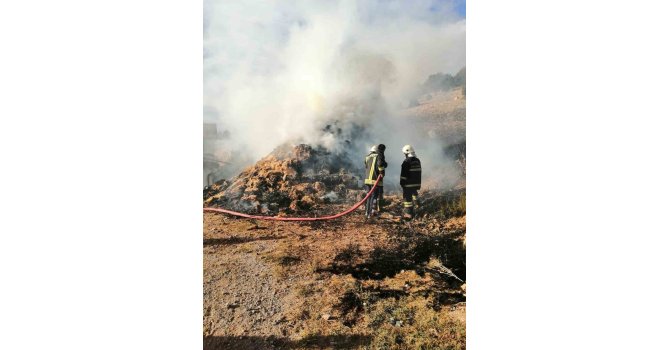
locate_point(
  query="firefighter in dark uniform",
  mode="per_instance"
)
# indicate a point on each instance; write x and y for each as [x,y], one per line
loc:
[410,181]
[375,165]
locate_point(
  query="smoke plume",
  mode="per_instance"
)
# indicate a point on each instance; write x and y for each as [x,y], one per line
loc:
[329,73]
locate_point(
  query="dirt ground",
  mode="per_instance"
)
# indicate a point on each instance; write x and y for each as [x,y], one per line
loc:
[342,284]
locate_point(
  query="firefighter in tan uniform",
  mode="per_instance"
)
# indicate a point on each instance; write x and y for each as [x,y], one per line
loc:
[375,165]
[410,181]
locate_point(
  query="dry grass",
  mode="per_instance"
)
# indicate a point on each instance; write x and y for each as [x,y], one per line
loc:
[412,324]
[281,262]
[360,286]
[455,206]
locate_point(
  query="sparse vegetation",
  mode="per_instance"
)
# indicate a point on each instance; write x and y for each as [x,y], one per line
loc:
[281,262]
[409,324]
[443,205]
[346,255]
[454,206]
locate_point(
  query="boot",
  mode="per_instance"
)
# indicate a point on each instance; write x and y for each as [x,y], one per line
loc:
[408,214]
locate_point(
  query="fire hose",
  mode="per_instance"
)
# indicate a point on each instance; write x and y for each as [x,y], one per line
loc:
[279,218]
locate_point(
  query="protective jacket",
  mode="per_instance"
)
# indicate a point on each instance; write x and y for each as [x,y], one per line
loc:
[410,173]
[375,164]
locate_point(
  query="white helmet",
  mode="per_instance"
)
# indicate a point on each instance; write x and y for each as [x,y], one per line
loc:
[373,148]
[408,150]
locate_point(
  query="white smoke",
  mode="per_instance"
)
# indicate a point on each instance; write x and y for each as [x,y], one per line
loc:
[321,72]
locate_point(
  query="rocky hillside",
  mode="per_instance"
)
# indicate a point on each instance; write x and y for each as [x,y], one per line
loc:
[441,114]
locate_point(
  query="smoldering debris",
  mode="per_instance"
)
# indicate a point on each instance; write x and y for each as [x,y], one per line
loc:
[292,179]
[329,197]
[305,179]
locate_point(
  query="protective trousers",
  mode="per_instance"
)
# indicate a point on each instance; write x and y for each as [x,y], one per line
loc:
[409,199]
[374,201]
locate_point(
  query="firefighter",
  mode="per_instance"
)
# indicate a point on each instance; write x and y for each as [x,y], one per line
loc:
[380,187]
[375,165]
[410,181]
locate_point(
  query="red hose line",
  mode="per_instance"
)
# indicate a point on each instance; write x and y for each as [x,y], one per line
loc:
[278,218]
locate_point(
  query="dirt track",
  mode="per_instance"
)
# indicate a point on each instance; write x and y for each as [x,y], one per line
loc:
[337,284]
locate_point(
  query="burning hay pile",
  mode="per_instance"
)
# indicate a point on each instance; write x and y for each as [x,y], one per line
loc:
[289,180]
